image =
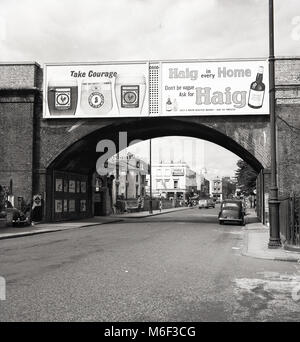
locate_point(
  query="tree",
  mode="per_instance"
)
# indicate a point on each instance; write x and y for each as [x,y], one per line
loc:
[2,198]
[246,178]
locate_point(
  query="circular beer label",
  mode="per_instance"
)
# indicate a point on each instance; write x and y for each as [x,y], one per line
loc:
[63,99]
[96,100]
[130,97]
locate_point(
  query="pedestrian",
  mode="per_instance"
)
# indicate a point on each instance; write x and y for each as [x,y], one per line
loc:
[160,203]
[139,202]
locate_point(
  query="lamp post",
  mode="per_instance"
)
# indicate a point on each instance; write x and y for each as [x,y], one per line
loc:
[150,173]
[274,240]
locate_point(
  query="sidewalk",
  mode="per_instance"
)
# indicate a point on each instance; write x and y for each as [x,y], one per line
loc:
[143,214]
[43,228]
[256,238]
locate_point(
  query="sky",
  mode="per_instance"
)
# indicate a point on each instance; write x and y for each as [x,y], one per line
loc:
[101,30]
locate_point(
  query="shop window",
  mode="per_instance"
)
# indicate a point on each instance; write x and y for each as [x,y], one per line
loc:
[72,206]
[83,206]
[83,187]
[58,185]
[65,206]
[72,186]
[58,206]
[66,185]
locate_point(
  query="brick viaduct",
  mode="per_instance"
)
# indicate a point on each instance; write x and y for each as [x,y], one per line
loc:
[31,147]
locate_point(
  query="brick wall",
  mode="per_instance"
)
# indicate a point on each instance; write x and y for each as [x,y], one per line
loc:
[288,124]
[16,126]
[16,147]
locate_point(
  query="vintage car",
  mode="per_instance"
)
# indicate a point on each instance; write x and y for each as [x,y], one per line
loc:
[232,211]
[17,217]
[206,203]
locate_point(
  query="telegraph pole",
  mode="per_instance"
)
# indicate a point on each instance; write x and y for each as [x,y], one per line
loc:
[274,241]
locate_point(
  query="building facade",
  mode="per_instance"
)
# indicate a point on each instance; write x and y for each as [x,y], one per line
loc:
[173,180]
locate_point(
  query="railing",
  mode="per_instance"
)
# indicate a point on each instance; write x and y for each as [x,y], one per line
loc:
[289,213]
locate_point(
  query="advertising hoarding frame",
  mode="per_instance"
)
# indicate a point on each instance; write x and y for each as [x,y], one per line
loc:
[149,63]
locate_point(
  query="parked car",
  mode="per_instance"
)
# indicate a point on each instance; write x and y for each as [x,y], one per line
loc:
[18,217]
[232,211]
[206,203]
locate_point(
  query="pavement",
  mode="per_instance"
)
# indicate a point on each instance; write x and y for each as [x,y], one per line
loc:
[143,214]
[256,240]
[43,228]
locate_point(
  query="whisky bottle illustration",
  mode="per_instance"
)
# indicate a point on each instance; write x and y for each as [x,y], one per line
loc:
[257,90]
[169,106]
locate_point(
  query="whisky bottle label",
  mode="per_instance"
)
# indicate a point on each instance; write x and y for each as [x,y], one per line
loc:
[256,98]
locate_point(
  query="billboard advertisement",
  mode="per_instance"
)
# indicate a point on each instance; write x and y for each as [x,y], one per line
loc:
[96,90]
[238,87]
[183,88]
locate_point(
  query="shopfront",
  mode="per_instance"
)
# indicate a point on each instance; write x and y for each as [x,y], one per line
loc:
[71,198]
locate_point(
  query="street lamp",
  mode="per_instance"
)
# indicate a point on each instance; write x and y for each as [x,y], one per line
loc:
[150,173]
[274,240]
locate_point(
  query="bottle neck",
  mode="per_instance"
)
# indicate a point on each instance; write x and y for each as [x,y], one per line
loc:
[259,78]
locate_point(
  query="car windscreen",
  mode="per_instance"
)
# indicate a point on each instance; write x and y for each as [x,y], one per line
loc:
[231,205]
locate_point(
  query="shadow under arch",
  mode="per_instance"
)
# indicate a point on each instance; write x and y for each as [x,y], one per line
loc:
[81,156]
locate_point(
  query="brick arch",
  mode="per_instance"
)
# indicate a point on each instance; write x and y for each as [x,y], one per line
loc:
[248,138]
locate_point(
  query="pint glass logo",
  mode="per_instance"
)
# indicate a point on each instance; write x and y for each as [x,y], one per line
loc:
[63,98]
[96,100]
[130,96]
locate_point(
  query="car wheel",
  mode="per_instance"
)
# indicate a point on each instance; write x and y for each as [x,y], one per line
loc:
[221,222]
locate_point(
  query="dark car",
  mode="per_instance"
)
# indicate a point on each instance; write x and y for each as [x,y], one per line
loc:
[17,217]
[232,211]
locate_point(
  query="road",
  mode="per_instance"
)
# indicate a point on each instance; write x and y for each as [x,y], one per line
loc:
[180,266]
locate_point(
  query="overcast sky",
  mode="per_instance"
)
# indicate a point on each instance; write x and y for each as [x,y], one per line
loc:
[100,30]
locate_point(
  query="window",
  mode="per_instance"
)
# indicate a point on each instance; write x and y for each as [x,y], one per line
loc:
[59,185]
[65,205]
[137,178]
[136,191]
[72,186]
[66,184]
[83,206]
[72,206]
[175,184]
[58,206]
[83,187]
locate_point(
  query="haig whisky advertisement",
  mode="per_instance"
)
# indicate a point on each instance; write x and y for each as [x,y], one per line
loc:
[215,88]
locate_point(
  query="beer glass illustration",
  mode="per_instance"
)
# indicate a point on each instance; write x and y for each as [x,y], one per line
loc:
[130,93]
[96,97]
[62,97]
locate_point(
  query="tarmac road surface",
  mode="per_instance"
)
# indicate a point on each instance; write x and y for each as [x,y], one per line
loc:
[181,266]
